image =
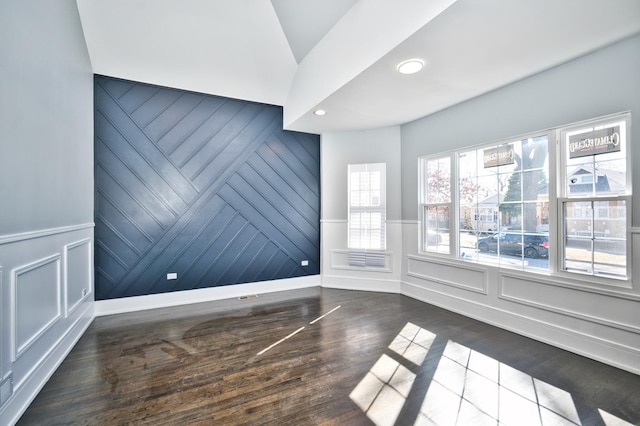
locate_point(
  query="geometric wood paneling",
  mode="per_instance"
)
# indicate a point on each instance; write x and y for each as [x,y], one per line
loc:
[210,188]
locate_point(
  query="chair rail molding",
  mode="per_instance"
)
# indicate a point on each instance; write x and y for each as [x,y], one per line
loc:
[23,236]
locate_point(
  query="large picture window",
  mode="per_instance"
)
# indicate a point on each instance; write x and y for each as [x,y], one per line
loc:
[502,203]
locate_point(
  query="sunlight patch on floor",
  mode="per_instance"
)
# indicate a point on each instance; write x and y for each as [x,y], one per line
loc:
[467,387]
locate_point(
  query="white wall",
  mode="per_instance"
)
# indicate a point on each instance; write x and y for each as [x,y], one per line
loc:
[46,194]
[337,151]
[604,82]
[599,321]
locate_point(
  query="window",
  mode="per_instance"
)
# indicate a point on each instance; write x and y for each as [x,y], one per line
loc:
[595,197]
[507,184]
[491,204]
[367,214]
[436,203]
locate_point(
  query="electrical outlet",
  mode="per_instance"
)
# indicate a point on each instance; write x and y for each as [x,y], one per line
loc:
[172,276]
[304,263]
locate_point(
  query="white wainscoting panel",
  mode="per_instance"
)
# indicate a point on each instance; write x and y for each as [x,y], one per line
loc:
[340,260]
[336,271]
[460,275]
[77,273]
[596,319]
[41,314]
[363,283]
[36,293]
[611,311]
[3,322]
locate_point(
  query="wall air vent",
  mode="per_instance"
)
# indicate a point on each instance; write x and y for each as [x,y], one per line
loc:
[367,258]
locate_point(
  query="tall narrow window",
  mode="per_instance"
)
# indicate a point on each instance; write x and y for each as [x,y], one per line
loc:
[596,197]
[367,214]
[436,204]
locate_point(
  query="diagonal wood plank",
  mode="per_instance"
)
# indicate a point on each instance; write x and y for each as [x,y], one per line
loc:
[211,188]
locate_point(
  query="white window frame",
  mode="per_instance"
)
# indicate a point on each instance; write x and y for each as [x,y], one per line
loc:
[424,231]
[369,254]
[557,184]
[500,259]
[564,197]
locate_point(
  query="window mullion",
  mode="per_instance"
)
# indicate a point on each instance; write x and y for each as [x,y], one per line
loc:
[454,208]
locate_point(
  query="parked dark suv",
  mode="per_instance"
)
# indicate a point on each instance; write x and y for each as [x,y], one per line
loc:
[513,243]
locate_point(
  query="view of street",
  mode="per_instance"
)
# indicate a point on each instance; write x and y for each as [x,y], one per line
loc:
[608,256]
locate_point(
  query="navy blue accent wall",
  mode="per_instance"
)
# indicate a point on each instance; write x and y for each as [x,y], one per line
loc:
[208,187]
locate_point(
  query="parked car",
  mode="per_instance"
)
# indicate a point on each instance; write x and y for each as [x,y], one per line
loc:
[528,244]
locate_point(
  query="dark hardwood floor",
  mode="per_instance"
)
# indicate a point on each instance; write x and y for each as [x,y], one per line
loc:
[373,359]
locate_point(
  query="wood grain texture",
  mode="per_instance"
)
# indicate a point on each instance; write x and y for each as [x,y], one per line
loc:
[199,364]
[211,188]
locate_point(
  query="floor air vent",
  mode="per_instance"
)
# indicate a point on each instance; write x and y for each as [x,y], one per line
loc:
[249,296]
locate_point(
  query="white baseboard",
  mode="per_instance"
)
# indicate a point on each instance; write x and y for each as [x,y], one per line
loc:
[605,351]
[362,284]
[163,300]
[17,404]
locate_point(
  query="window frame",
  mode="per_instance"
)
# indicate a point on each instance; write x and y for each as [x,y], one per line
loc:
[381,208]
[557,183]
[563,198]
[424,204]
[503,173]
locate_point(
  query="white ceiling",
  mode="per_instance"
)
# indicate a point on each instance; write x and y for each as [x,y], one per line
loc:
[340,55]
[305,22]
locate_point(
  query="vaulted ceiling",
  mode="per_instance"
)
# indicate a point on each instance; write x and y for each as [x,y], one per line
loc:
[341,55]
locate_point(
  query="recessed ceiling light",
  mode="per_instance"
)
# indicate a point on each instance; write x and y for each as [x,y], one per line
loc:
[319,112]
[410,66]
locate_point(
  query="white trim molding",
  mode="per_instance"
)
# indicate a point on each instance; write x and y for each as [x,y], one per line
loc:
[23,236]
[556,308]
[476,273]
[86,291]
[19,347]
[600,349]
[28,387]
[163,300]
[3,318]
[360,283]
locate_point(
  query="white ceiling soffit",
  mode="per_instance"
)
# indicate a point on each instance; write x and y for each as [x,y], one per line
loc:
[367,32]
[305,22]
[229,48]
[247,50]
[471,48]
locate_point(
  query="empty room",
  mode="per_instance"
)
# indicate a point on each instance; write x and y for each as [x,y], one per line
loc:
[344,212]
